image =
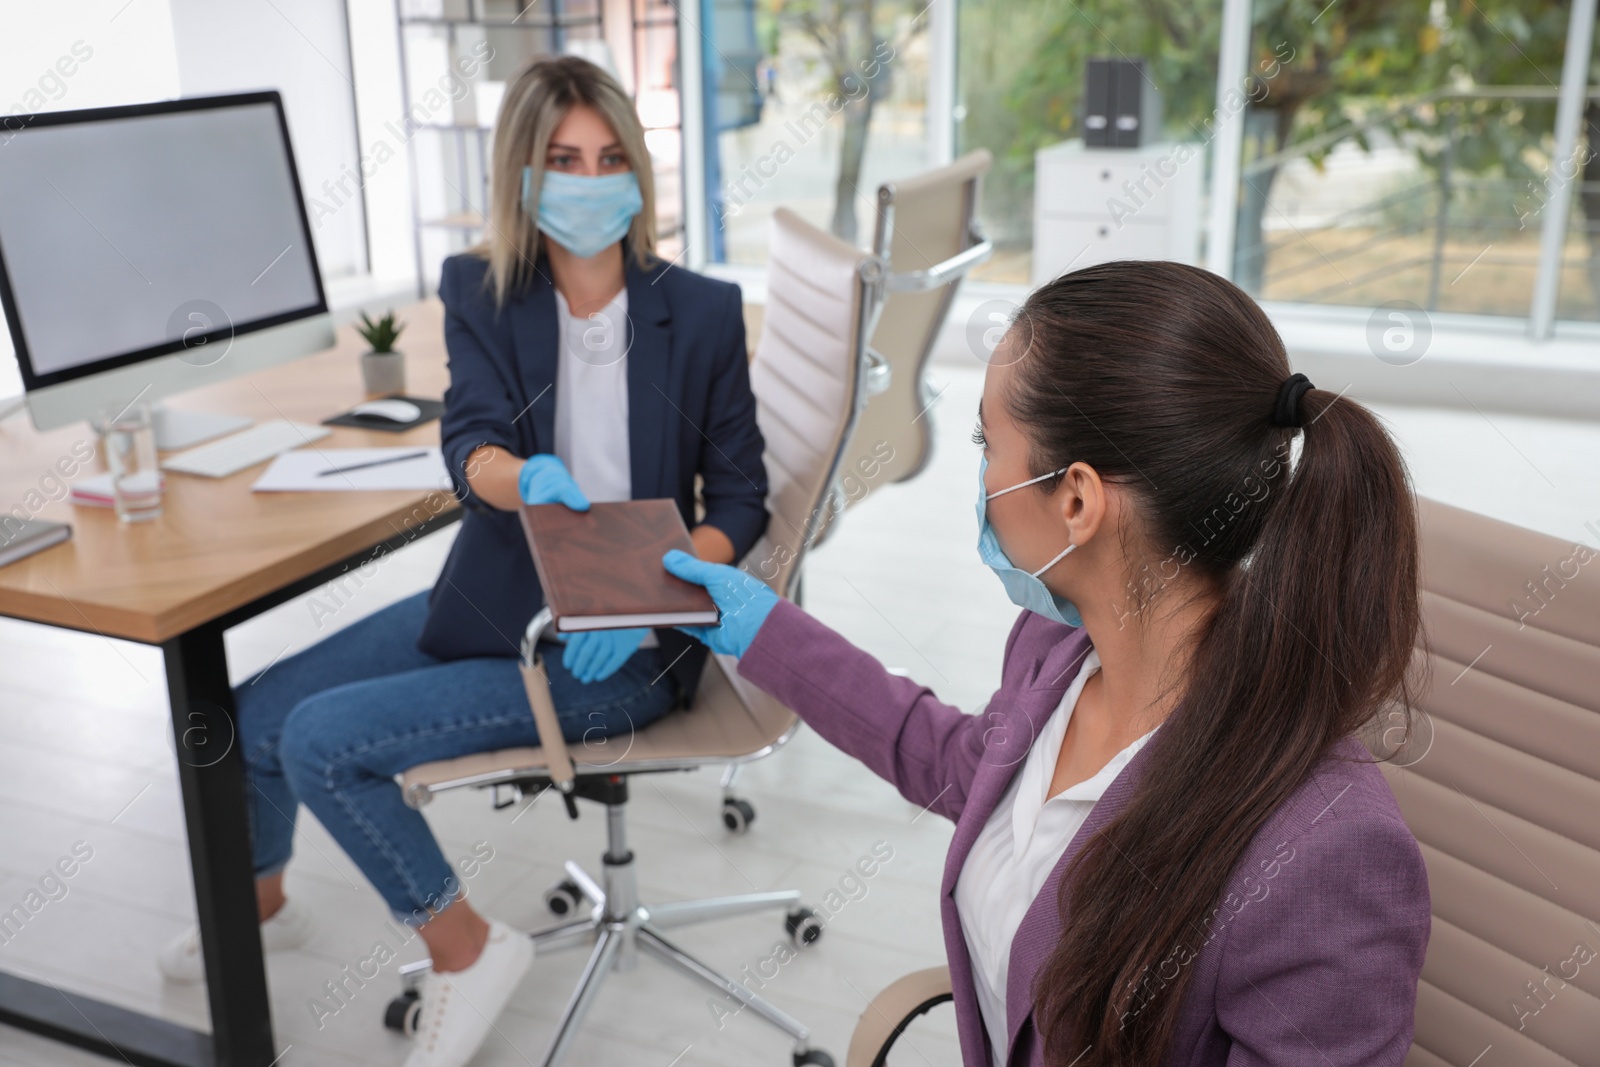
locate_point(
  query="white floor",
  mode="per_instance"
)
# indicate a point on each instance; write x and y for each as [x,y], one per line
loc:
[89,759]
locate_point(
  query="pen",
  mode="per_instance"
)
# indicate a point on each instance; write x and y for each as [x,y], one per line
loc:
[371,463]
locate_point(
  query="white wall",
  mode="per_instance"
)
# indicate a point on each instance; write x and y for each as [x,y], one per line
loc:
[300,48]
[88,53]
[386,170]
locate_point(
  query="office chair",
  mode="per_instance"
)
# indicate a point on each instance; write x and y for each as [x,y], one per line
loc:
[1501,785]
[894,1009]
[928,234]
[1500,782]
[808,378]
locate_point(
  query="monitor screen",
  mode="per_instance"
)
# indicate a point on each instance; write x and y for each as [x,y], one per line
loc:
[130,232]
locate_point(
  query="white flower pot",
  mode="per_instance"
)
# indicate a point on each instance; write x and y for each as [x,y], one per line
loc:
[383,373]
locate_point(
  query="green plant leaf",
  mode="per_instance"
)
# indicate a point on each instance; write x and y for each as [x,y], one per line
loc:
[381,335]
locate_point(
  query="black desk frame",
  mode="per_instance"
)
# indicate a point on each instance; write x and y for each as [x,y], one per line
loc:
[215,817]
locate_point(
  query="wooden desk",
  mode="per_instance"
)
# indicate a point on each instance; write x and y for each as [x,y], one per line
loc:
[217,546]
[218,555]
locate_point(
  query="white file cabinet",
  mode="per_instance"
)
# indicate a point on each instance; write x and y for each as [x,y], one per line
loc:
[1093,205]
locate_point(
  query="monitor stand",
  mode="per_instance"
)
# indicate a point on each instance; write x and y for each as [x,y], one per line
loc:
[176,428]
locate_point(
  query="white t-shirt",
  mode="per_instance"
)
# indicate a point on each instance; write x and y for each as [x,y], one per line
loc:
[1018,848]
[592,399]
[592,403]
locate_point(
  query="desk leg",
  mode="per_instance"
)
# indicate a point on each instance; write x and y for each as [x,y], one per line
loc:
[211,772]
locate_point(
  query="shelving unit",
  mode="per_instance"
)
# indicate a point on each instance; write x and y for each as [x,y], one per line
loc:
[449,139]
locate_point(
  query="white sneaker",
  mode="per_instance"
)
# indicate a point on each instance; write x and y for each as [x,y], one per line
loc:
[290,927]
[459,1008]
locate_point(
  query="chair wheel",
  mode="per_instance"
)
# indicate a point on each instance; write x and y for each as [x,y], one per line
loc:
[402,1013]
[813,1056]
[563,898]
[737,814]
[804,929]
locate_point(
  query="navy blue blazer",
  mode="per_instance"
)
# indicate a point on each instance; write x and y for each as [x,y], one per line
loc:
[690,412]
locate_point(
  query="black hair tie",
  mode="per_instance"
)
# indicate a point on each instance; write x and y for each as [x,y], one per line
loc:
[1287,411]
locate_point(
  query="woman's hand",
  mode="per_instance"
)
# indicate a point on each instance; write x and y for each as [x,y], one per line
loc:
[743,600]
[544,480]
[592,655]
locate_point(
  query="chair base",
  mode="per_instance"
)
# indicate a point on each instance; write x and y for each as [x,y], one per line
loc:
[619,926]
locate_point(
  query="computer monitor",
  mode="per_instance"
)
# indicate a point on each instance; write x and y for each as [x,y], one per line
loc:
[150,249]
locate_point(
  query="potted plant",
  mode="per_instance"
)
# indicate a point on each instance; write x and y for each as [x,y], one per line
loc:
[383,370]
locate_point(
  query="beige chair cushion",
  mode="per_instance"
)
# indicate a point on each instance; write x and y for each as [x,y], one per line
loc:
[806,380]
[1501,785]
[731,720]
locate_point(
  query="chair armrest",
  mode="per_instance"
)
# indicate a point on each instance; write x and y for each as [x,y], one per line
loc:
[944,272]
[892,1010]
[537,683]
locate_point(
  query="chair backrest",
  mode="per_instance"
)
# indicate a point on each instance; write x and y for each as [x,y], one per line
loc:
[808,380]
[1500,783]
[923,222]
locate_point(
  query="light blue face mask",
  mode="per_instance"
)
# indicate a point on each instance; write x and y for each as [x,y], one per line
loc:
[1025,588]
[583,214]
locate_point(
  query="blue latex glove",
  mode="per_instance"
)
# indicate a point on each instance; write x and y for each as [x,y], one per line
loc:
[743,600]
[544,480]
[591,655]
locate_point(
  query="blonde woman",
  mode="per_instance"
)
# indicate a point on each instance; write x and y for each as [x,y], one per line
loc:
[582,368]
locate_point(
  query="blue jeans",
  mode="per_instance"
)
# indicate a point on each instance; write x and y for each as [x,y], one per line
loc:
[331,726]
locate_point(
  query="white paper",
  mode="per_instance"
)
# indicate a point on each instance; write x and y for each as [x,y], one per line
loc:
[297,471]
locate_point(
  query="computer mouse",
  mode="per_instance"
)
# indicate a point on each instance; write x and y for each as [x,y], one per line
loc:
[388,410]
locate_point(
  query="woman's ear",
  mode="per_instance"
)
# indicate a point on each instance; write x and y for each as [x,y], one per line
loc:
[1084,502]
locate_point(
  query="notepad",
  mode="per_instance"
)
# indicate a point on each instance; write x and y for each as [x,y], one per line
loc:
[300,471]
[96,491]
[23,537]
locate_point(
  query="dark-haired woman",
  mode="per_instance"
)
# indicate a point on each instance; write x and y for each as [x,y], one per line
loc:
[1171,847]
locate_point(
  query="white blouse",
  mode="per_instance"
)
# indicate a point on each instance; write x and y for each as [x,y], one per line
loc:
[592,399]
[592,404]
[1018,848]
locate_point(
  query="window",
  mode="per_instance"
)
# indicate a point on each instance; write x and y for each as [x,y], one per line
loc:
[1578,176]
[1395,152]
[815,103]
[1020,78]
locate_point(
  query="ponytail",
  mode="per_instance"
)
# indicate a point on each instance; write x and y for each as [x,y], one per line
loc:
[1314,561]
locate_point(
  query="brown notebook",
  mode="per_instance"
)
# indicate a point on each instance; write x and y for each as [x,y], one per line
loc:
[601,569]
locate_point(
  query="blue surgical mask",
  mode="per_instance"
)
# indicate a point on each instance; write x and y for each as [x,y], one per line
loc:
[1025,588]
[583,214]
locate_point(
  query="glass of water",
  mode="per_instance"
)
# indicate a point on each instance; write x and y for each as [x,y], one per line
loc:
[128,441]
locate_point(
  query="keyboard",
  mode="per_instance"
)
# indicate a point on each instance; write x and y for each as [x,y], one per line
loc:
[231,454]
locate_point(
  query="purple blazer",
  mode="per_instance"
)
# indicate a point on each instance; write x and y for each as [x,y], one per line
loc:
[1314,951]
